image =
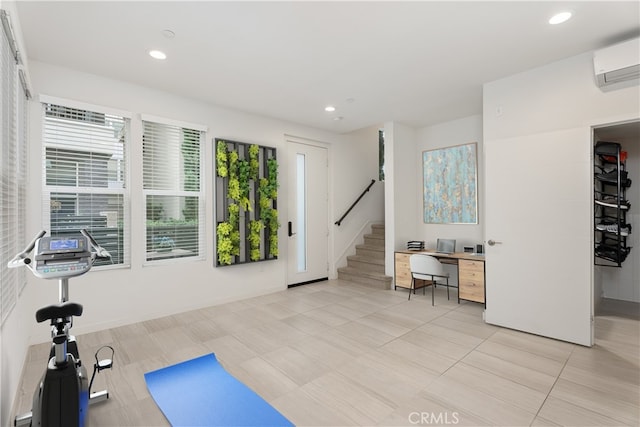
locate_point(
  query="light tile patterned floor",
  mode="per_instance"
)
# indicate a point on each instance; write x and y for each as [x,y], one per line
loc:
[339,354]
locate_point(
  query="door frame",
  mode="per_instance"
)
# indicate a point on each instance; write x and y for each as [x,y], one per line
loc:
[288,139]
[597,281]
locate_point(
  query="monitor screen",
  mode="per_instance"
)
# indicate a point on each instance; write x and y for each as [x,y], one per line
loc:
[63,244]
[446,246]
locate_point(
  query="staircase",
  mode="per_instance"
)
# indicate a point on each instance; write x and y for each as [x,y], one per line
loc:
[366,267]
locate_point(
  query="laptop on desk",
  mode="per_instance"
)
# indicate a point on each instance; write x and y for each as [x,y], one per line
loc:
[445,246]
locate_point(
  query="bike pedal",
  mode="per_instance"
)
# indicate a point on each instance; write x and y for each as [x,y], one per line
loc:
[23,420]
[104,364]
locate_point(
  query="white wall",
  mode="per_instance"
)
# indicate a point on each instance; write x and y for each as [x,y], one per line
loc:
[117,297]
[403,188]
[14,342]
[400,189]
[560,95]
[352,180]
[548,100]
[122,296]
[455,132]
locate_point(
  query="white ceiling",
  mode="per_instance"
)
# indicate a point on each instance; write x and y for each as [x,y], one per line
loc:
[418,63]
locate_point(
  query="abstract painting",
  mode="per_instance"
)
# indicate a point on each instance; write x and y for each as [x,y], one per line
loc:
[450,185]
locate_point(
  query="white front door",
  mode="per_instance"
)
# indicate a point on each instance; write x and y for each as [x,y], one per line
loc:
[308,213]
[538,217]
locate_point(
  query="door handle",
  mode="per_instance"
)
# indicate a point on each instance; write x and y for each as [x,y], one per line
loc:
[290,229]
[493,242]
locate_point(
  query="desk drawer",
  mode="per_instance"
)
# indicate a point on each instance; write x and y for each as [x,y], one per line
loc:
[403,278]
[469,266]
[471,280]
[403,272]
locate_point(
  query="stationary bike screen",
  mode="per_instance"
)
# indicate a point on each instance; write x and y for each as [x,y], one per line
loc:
[56,245]
[58,257]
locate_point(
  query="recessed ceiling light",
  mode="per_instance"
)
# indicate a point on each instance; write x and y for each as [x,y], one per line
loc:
[157,54]
[559,18]
[168,34]
[329,108]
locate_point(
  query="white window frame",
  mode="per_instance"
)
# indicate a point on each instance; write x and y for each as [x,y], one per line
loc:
[146,192]
[125,192]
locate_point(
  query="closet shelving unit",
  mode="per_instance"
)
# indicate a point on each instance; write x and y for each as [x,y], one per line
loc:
[611,182]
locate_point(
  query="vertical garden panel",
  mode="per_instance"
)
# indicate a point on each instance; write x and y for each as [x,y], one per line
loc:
[246,215]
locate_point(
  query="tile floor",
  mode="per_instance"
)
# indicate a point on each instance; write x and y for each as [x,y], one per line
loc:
[339,354]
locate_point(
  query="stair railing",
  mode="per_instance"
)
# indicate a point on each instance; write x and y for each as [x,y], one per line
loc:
[338,222]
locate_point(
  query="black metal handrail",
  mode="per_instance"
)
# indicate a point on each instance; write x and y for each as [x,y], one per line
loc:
[338,222]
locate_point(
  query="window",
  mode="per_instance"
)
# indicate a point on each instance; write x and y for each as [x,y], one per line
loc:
[172,187]
[85,182]
[301,209]
[13,170]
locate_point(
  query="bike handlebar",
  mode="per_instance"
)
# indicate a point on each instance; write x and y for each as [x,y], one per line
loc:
[100,252]
[23,257]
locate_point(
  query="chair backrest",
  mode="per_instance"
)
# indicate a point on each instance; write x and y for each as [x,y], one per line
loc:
[423,266]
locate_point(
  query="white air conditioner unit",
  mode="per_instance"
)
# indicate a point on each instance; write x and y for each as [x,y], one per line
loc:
[618,63]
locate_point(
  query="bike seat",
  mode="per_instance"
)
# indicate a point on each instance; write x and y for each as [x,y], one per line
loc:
[59,311]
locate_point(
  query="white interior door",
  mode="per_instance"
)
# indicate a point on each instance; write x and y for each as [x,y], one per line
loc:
[308,213]
[538,212]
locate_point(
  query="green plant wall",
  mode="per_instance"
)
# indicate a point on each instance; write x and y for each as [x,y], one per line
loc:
[246,218]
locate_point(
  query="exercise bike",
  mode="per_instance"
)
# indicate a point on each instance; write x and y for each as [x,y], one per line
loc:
[63,395]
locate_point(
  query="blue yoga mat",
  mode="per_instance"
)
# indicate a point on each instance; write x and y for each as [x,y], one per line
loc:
[199,392]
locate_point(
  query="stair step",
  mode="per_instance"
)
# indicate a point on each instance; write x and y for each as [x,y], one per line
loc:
[377,229]
[373,251]
[374,239]
[368,278]
[367,266]
[366,263]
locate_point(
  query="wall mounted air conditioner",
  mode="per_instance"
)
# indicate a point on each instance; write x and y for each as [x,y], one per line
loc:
[619,63]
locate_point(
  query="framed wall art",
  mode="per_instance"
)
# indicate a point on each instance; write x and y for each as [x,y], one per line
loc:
[450,190]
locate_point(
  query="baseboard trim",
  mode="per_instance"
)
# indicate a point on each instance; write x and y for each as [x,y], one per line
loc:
[322,279]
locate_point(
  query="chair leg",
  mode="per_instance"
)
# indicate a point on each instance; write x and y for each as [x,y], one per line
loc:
[411,286]
[447,285]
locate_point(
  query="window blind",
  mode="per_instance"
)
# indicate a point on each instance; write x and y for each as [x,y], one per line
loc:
[12,174]
[22,172]
[85,176]
[172,187]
